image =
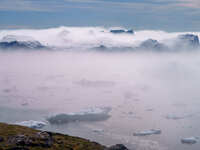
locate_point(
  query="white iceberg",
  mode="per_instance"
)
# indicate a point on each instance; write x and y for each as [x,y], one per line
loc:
[32,124]
[178,117]
[147,132]
[90,114]
[98,130]
[97,83]
[190,140]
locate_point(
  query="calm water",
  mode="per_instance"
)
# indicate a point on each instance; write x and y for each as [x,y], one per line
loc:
[145,89]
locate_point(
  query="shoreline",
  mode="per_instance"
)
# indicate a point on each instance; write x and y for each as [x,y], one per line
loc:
[15,137]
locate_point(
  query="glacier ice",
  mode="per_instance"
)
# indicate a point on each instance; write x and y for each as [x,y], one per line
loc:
[90,114]
[32,124]
[147,132]
[190,140]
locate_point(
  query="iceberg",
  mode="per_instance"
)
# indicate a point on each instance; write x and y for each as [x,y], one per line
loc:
[98,130]
[178,117]
[32,124]
[19,42]
[97,83]
[152,44]
[147,132]
[186,42]
[90,114]
[190,40]
[119,31]
[190,140]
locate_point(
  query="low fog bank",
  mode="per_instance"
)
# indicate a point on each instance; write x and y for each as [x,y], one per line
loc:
[97,39]
[143,92]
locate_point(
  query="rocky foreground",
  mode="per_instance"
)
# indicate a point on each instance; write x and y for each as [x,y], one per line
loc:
[14,137]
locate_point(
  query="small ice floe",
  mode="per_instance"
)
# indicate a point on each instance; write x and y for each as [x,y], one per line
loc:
[90,114]
[98,130]
[149,109]
[178,117]
[32,124]
[98,83]
[147,132]
[190,140]
[24,103]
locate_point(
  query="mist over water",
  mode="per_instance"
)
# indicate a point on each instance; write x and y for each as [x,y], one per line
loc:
[82,38]
[144,90]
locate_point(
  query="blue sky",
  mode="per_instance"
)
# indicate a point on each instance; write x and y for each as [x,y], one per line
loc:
[168,15]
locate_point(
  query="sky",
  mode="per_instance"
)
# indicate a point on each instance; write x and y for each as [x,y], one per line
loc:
[167,15]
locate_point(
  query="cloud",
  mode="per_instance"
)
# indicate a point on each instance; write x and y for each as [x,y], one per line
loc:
[190,3]
[59,5]
[17,5]
[142,14]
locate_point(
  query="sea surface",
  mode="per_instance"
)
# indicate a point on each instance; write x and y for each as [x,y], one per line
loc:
[109,96]
[147,90]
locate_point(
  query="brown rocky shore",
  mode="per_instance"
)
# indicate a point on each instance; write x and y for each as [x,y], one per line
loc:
[14,137]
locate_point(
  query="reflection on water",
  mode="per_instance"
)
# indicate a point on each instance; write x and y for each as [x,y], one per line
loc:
[145,91]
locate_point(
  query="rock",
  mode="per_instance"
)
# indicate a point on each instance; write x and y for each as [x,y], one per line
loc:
[42,139]
[152,44]
[117,147]
[190,140]
[20,140]
[148,132]
[23,138]
[46,138]
[188,40]
[1,139]
[17,148]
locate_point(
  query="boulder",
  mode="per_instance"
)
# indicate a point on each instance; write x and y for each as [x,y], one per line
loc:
[1,139]
[20,140]
[45,138]
[17,148]
[117,147]
[41,139]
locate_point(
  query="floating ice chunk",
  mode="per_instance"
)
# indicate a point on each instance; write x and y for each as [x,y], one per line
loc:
[177,117]
[190,140]
[174,117]
[90,114]
[98,130]
[147,132]
[32,124]
[149,109]
[98,83]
